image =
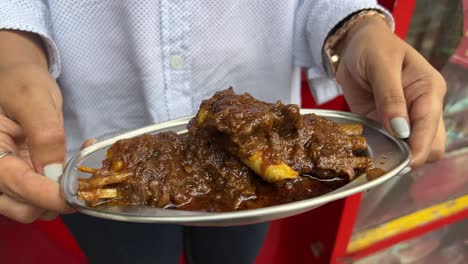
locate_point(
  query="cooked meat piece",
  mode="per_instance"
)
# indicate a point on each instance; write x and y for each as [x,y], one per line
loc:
[275,141]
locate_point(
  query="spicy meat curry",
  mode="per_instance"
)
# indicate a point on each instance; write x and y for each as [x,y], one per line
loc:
[239,153]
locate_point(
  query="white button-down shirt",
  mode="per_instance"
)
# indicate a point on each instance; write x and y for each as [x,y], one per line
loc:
[123,64]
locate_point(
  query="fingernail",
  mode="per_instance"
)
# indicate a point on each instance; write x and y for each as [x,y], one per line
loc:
[53,171]
[90,142]
[400,127]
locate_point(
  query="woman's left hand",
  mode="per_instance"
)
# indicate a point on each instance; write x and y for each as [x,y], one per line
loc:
[387,80]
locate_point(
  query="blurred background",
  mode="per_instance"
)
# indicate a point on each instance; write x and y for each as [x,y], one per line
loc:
[439,32]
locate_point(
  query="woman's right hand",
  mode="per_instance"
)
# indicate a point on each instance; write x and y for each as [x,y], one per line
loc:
[31,128]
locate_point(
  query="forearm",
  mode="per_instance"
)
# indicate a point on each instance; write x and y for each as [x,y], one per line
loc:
[25,35]
[18,48]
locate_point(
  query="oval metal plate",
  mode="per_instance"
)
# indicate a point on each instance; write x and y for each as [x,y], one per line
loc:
[389,153]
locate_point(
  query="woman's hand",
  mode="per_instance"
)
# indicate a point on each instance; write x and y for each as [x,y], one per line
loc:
[387,80]
[31,128]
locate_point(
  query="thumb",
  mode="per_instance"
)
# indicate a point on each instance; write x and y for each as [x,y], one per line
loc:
[38,111]
[385,80]
[88,142]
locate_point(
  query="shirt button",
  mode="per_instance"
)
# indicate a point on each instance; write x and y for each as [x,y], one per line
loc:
[177,62]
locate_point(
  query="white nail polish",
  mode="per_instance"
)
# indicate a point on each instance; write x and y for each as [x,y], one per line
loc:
[400,127]
[53,171]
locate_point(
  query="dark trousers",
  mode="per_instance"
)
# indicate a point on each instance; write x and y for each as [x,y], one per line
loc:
[105,241]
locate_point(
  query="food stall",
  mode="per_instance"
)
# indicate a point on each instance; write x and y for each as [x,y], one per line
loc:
[424,219]
[419,217]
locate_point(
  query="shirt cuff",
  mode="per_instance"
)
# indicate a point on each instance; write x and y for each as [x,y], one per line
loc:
[31,16]
[324,89]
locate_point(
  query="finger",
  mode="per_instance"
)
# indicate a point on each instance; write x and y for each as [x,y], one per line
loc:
[425,91]
[18,211]
[10,127]
[7,144]
[88,143]
[425,115]
[9,132]
[48,216]
[384,75]
[438,145]
[19,181]
[37,112]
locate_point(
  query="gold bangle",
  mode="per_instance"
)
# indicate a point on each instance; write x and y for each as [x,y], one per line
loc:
[332,41]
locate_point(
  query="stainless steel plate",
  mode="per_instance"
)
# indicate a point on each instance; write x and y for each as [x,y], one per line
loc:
[390,154]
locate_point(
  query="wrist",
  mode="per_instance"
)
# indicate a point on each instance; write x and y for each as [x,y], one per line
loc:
[21,48]
[365,24]
[338,40]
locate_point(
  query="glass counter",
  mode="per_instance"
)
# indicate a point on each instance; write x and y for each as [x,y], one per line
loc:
[439,31]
